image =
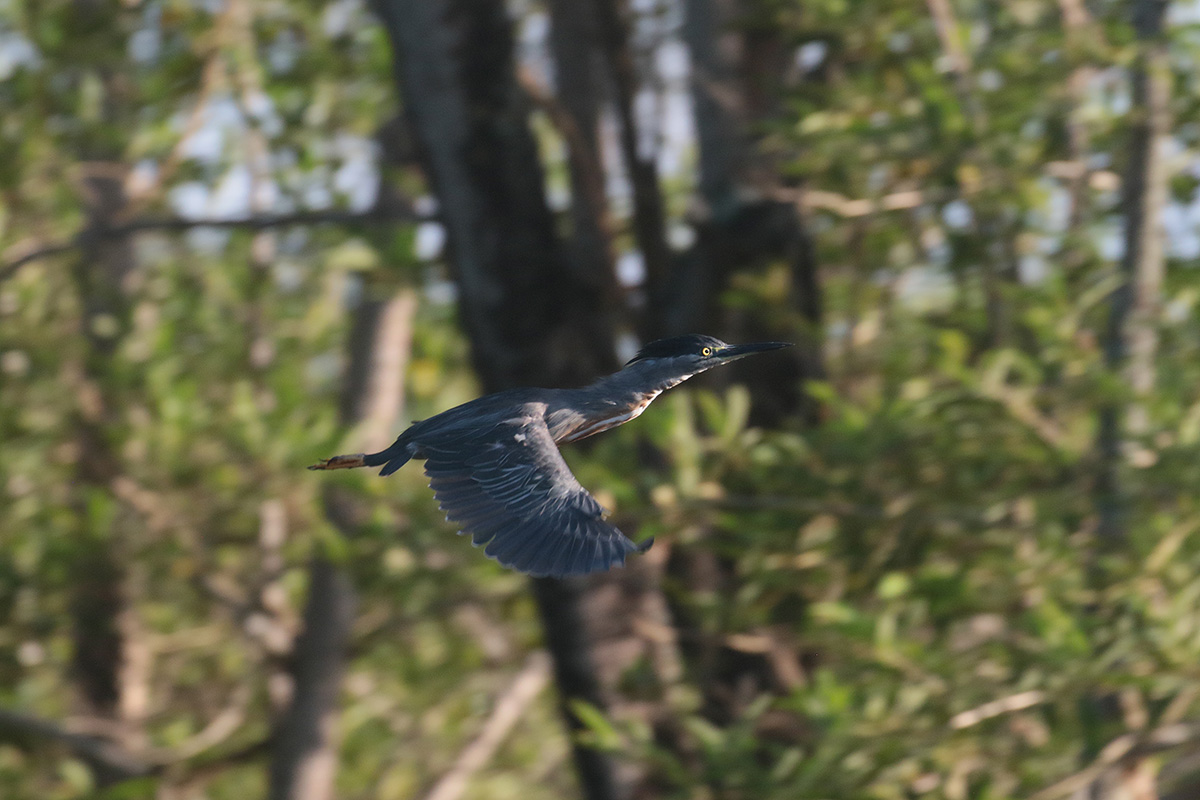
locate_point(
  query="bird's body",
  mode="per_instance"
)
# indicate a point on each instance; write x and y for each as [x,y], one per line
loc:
[495,469]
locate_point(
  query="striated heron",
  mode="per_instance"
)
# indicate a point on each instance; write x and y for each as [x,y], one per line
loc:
[494,466]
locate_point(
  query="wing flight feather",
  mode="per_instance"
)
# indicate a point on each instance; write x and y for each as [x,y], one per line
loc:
[511,490]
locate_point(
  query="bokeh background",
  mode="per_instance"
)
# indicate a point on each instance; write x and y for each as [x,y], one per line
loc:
[947,547]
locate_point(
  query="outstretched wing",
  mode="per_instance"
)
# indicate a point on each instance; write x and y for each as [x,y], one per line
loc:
[511,490]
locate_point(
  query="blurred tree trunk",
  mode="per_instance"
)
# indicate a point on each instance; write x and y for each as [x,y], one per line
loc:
[519,304]
[1131,339]
[529,317]
[649,210]
[107,659]
[304,743]
[578,89]
[737,72]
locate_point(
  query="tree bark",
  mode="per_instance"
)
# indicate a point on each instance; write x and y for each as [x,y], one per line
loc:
[649,213]
[529,318]
[303,750]
[104,625]
[1131,339]
[735,87]
[573,44]
[518,302]
[304,742]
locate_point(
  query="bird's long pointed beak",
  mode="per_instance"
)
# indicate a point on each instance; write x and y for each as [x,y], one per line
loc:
[736,351]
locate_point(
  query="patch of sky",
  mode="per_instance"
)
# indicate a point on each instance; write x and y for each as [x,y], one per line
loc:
[282,52]
[1185,13]
[222,121]
[261,108]
[1033,129]
[231,198]
[208,241]
[957,215]
[935,246]
[16,52]
[616,182]
[1032,269]
[440,292]
[293,241]
[342,18]
[877,178]
[680,236]
[315,194]
[533,31]
[142,177]
[145,45]
[287,274]
[627,346]
[990,80]
[1181,221]
[1109,241]
[189,199]
[426,205]
[900,42]
[558,196]
[655,20]
[357,178]
[353,289]
[978,35]
[675,156]
[284,158]
[924,287]
[1119,99]
[645,112]
[631,268]
[1054,214]
[429,241]
[323,369]
[811,55]
[672,62]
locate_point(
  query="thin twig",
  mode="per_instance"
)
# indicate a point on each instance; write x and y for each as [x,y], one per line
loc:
[90,235]
[523,691]
[996,708]
[111,762]
[1125,749]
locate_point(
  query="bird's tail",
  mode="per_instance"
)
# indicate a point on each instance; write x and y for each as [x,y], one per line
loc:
[391,458]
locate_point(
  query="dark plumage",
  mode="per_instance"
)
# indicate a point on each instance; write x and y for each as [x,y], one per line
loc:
[495,468]
[667,348]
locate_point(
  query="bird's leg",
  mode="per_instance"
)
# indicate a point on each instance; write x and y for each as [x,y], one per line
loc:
[341,462]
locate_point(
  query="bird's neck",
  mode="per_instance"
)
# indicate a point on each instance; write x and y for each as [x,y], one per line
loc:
[611,401]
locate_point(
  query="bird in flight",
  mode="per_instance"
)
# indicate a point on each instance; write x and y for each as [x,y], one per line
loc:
[494,466]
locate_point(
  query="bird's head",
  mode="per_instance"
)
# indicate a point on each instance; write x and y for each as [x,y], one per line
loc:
[694,353]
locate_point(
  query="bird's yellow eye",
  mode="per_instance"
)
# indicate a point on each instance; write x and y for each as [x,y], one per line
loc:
[706,352]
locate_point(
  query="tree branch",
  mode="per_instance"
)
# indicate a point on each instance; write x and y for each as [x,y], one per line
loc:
[523,691]
[92,234]
[113,763]
[110,762]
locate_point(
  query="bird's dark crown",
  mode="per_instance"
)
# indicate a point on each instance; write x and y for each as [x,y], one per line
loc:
[691,344]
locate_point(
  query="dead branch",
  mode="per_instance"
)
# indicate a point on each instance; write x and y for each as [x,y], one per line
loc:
[528,684]
[996,708]
[93,234]
[109,761]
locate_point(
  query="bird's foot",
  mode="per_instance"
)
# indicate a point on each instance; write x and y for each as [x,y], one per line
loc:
[340,462]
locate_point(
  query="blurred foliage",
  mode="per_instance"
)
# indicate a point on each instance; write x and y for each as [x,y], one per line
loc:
[926,551]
